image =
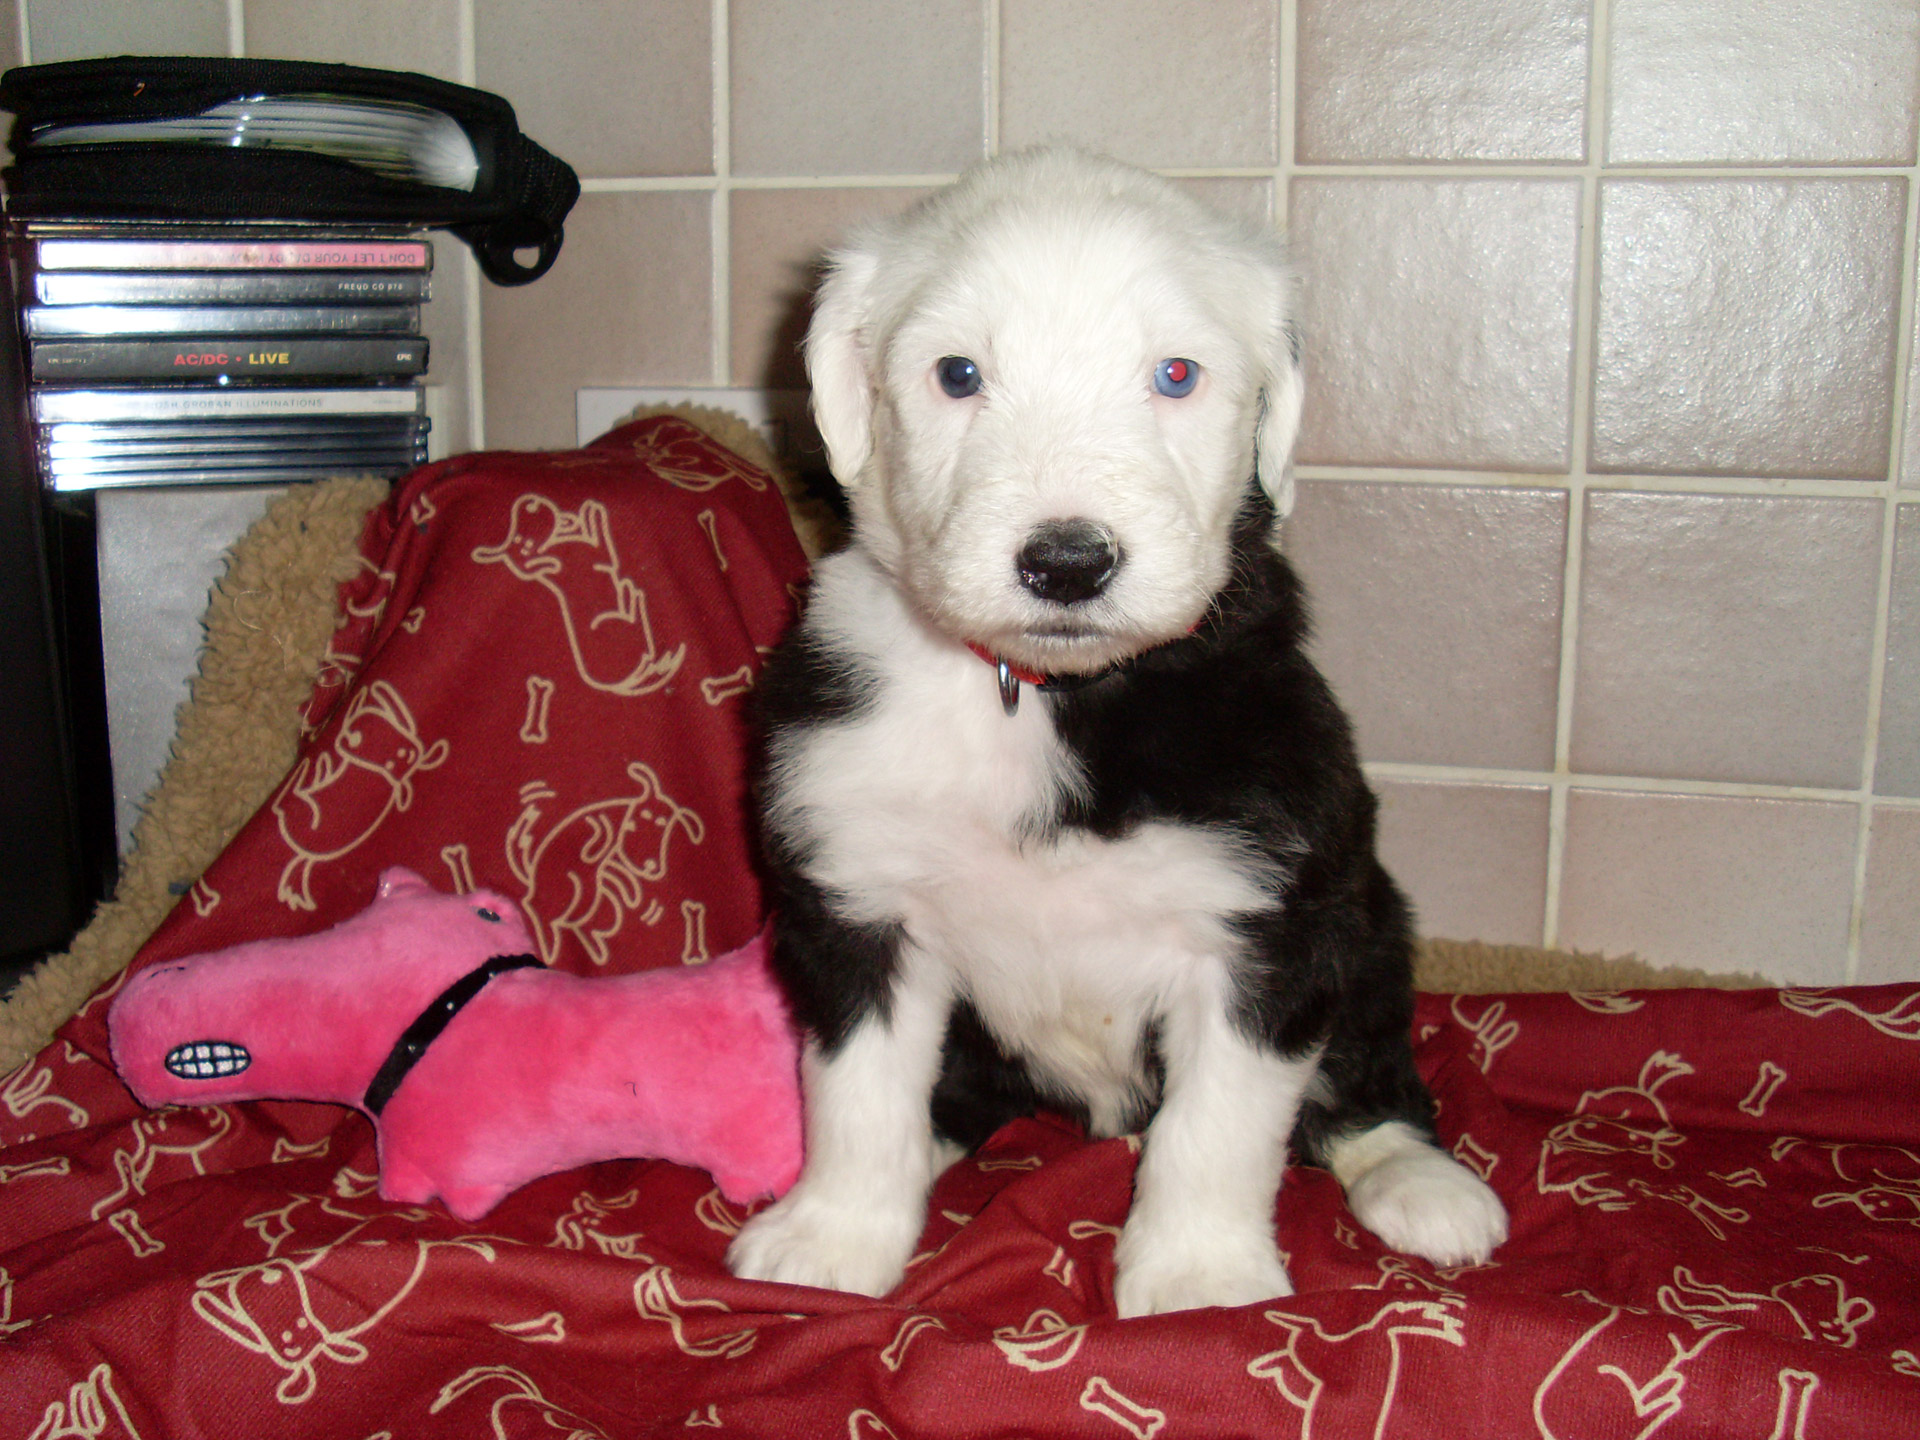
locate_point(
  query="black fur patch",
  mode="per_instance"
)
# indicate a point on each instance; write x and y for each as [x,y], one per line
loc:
[804,684]
[981,1086]
[834,971]
[1234,728]
[1230,728]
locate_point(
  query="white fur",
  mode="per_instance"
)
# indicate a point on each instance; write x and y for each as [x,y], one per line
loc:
[1201,1228]
[850,1221]
[1416,1198]
[926,813]
[1067,947]
[1067,280]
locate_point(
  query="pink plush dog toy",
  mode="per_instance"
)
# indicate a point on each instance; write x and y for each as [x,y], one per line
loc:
[480,1068]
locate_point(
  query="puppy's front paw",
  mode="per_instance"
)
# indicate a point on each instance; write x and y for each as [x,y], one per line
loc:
[1193,1269]
[1426,1203]
[807,1241]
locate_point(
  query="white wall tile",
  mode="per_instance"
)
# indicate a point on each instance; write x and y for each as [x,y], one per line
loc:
[1890,921]
[1471,858]
[613,87]
[859,87]
[627,303]
[85,29]
[418,35]
[1437,321]
[1764,81]
[1468,80]
[1159,82]
[1726,637]
[1747,327]
[1897,763]
[1429,600]
[1711,882]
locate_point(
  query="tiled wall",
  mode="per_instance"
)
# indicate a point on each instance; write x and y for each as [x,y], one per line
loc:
[1610,332]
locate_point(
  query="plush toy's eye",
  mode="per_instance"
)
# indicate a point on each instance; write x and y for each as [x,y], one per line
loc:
[1175,378]
[489,916]
[959,376]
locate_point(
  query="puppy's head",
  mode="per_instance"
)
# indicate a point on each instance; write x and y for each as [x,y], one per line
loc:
[1047,389]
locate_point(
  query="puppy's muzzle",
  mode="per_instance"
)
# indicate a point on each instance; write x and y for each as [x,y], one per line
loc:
[1068,561]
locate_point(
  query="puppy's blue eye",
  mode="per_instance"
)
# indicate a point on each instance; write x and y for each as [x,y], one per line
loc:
[1175,378]
[959,376]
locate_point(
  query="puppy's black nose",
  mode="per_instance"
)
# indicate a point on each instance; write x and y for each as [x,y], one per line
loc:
[1068,561]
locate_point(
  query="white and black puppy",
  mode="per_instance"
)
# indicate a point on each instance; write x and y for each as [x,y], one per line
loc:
[1056,809]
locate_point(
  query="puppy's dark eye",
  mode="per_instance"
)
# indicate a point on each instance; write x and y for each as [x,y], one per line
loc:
[489,916]
[1174,378]
[959,376]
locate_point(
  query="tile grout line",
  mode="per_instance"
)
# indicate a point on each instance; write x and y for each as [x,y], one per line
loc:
[1883,597]
[1678,170]
[23,30]
[1579,424]
[237,28]
[1280,179]
[469,62]
[644,184]
[1438,170]
[1805,488]
[1870,747]
[720,217]
[992,77]
[1287,117]
[1436,774]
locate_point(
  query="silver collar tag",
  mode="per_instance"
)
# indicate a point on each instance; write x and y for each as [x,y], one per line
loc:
[1009,688]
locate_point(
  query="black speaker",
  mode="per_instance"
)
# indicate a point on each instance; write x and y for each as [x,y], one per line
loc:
[56,819]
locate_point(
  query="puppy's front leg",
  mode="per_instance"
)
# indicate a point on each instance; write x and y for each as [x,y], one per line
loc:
[1201,1228]
[851,1220]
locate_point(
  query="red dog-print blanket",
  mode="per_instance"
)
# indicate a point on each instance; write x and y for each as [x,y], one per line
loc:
[539,686]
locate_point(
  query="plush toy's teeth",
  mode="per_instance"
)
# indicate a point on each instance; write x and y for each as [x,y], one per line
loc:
[207,1060]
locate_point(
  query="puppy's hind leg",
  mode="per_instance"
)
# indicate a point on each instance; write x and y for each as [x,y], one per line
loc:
[851,1220]
[1373,1124]
[1374,1134]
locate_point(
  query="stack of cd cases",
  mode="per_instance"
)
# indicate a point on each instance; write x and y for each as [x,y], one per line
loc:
[229,354]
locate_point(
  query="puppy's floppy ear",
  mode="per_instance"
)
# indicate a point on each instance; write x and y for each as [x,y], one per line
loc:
[840,364]
[1282,389]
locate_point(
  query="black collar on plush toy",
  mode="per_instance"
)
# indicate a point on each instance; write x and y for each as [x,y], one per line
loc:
[415,1039]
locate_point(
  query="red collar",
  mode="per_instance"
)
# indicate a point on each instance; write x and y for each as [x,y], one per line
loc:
[1012,675]
[1016,671]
